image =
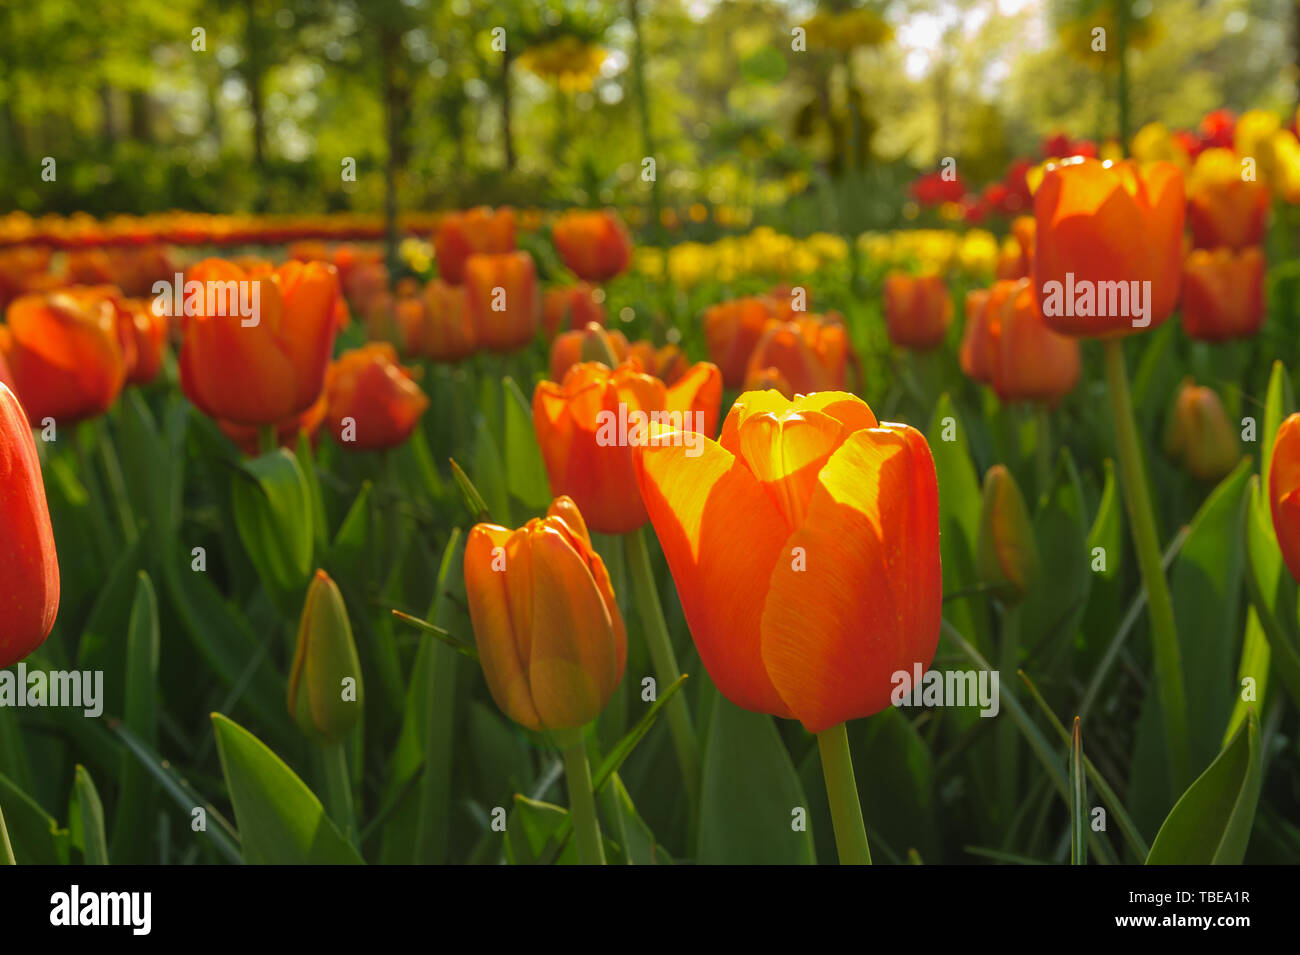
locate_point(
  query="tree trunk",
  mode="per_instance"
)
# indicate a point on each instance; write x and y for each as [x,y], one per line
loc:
[507,136]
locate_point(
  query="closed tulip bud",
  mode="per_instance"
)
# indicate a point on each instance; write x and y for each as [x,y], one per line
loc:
[1030,361]
[594,245]
[373,402]
[1284,492]
[448,333]
[149,335]
[1223,294]
[805,548]
[550,636]
[589,425]
[918,310]
[573,307]
[29,566]
[502,298]
[475,231]
[592,343]
[274,367]
[325,689]
[1007,552]
[732,331]
[1199,434]
[64,351]
[1108,246]
[1223,209]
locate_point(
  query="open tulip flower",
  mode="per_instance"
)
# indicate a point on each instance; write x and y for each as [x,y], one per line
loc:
[373,402]
[264,368]
[29,567]
[65,353]
[587,428]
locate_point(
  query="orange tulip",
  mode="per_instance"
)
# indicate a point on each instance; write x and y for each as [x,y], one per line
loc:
[588,426]
[1199,434]
[808,354]
[1284,492]
[273,368]
[572,308]
[1222,208]
[149,336]
[65,354]
[448,333]
[805,548]
[550,636]
[594,245]
[248,439]
[731,330]
[1031,362]
[977,339]
[462,234]
[373,403]
[1223,294]
[918,310]
[668,363]
[29,566]
[502,299]
[571,348]
[1109,245]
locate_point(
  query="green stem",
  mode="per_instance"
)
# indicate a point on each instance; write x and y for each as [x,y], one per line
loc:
[116,482]
[267,438]
[338,788]
[842,790]
[1043,448]
[1008,736]
[1137,500]
[582,803]
[6,850]
[664,660]
[99,526]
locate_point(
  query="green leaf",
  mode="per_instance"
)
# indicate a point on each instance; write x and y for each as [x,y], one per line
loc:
[490,471]
[478,508]
[86,822]
[525,471]
[1054,606]
[1205,583]
[307,462]
[281,822]
[1078,800]
[1108,526]
[135,799]
[898,805]
[273,514]
[102,645]
[34,834]
[1279,402]
[531,825]
[1253,667]
[6,848]
[1211,823]
[748,792]
[347,554]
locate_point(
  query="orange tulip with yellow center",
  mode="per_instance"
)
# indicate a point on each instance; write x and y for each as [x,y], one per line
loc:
[462,234]
[731,331]
[1108,252]
[64,351]
[502,298]
[594,245]
[918,310]
[373,402]
[261,369]
[1223,294]
[589,425]
[1223,209]
[805,548]
[550,636]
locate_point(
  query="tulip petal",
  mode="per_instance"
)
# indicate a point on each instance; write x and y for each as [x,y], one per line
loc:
[867,603]
[721,535]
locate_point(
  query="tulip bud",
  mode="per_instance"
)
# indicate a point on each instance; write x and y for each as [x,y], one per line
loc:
[1198,433]
[1007,553]
[549,632]
[325,691]
[29,567]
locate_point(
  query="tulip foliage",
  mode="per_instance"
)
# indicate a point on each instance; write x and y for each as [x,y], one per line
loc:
[550,548]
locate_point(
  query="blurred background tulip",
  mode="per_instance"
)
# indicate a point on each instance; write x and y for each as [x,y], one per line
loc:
[502,298]
[449,333]
[1284,492]
[572,307]
[594,245]
[1223,294]
[1223,207]
[474,231]
[918,310]
[1199,434]
[572,347]
[373,402]
[1030,362]
[732,330]
[1007,552]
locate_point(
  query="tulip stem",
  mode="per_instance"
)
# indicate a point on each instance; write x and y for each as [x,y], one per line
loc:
[842,791]
[99,526]
[338,788]
[267,439]
[665,662]
[1164,633]
[582,803]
